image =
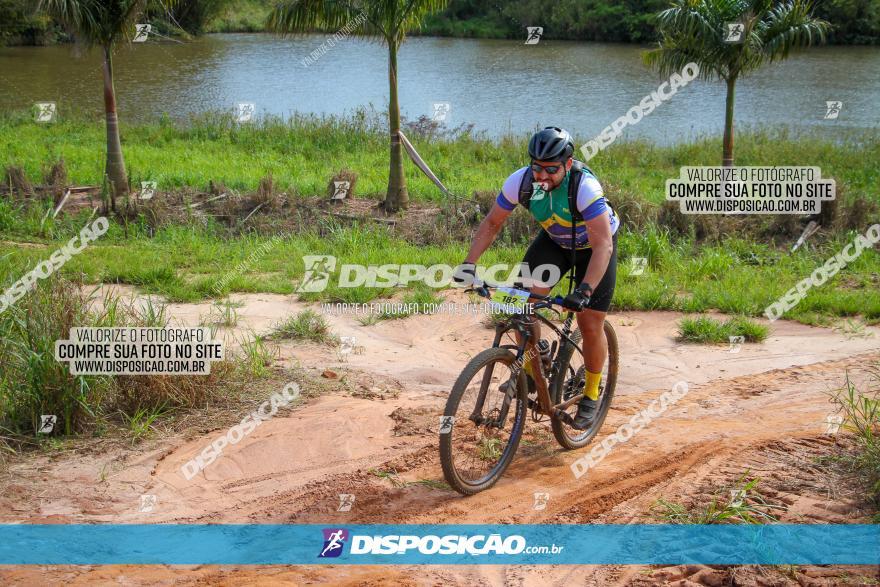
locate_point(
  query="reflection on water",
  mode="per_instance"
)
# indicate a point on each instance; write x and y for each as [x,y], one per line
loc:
[499,86]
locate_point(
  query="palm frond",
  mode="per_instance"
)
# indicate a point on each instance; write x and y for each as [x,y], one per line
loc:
[789,26]
[413,14]
[686,19]
[671,60]
[99,22]
[302,16]
[389,19]
[129,13]
[693,30]
[79,17]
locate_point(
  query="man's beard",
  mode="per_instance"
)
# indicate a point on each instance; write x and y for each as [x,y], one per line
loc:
[552,185]
[548,185]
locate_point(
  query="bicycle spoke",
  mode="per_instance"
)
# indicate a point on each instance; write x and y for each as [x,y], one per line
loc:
[572,385]
[482,429]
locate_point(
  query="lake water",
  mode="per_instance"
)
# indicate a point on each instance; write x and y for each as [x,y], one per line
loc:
[499,86]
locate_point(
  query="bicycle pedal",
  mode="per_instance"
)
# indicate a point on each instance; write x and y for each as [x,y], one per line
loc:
[565,417]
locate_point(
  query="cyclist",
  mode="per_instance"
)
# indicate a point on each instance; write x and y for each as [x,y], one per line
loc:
[595,254]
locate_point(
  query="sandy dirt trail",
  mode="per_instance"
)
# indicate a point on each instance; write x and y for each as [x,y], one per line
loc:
[762,409]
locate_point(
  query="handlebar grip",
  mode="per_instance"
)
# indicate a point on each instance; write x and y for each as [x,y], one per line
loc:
[480,290]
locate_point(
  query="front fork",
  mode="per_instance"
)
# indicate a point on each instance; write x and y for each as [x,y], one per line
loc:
[541,383]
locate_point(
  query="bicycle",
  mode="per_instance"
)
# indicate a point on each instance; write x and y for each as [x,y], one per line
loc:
[475,449]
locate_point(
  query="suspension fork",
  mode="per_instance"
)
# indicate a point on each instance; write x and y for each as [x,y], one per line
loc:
[511,392]
[477,414]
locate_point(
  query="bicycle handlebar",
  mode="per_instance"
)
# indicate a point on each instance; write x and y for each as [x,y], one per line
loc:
[483,288]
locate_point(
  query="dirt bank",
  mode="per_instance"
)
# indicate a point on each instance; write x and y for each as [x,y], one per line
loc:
[762,409]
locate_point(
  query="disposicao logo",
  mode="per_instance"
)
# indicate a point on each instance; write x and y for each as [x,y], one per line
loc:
[431,544]
[334,540]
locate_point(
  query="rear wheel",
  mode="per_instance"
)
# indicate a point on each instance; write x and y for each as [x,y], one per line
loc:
[478,443]
[569,382]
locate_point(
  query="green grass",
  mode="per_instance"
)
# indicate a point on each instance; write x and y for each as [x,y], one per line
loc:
[861,417]
[432,484]
[182,264]
[368,319]
[256,356]
[489,449]
[737,272]
[390,475]
[140,424]
[393,477]
[223,313]
[305,325]
[33,383]
[303,152]
[705,329]
[740,504]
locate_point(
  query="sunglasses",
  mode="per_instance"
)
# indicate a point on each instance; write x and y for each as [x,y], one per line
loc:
[547,169]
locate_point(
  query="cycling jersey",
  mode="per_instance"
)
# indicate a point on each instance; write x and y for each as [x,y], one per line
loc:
[543,251]
[551,209]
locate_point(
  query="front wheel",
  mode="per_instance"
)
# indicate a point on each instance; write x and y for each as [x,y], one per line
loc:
[483,421]
[569,381]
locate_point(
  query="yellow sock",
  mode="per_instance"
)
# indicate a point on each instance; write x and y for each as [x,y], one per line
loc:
[527,367]
[591,388]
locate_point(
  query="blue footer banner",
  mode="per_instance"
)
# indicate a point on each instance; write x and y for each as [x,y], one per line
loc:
[381,544]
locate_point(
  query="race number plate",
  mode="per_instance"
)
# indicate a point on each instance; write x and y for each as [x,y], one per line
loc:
[509,300]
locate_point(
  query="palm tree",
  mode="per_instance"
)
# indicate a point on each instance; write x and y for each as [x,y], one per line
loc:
[388,20]
[103,23]
[695,31]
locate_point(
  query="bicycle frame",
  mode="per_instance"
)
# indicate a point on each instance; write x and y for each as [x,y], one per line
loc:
[523,324]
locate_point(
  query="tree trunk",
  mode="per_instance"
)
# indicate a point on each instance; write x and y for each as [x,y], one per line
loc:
[114,167]
[727,160]
[397,196]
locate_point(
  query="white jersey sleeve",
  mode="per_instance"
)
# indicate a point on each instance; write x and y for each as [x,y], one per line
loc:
[589,192]
[510,189]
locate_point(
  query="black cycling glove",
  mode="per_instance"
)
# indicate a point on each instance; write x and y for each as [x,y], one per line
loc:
[465,274]
[579,299]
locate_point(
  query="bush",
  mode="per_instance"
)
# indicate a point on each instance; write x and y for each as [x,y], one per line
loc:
[707,329]
[306,325]
[33,383]
[861,417]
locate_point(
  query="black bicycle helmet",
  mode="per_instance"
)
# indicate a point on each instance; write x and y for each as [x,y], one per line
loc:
[551,144]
